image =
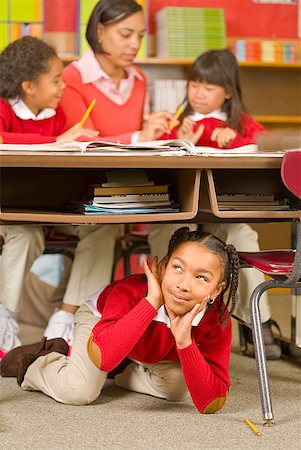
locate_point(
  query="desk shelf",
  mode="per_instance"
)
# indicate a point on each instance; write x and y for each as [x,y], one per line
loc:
[44,192]
[246,181]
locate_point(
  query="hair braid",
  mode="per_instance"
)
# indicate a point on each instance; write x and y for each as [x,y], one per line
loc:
[232,283]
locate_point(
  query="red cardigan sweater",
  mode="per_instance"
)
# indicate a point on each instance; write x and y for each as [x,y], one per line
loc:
[114,122]
[250,129]
[127,328]
[14,130]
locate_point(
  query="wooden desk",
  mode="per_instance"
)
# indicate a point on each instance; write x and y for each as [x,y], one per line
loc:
[36,187]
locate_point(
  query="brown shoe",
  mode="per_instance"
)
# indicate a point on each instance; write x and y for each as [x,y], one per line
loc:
[272,350]
[13,363]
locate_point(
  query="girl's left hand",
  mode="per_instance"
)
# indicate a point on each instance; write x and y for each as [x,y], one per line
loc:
[223,136]
[156,125]
[181,325]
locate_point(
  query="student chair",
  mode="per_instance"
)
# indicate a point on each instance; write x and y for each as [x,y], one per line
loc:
[283,266]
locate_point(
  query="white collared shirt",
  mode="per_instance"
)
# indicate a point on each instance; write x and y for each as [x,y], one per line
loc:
[91,72]
[217,114]
[24,113]
[163,317]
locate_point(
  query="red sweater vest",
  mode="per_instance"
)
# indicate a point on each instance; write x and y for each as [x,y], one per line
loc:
[114,122]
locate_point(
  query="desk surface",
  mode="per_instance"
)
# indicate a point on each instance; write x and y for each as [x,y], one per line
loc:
[235,161]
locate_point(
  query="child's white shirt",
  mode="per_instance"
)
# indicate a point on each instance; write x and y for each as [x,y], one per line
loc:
[24,113]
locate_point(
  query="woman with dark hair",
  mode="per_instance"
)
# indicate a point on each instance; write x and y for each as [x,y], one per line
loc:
[107,73]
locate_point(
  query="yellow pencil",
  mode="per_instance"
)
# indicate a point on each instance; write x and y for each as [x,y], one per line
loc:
[178,113]
[85,116]
[252,426]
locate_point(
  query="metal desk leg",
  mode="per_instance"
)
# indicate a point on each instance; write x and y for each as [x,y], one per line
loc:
[259,349]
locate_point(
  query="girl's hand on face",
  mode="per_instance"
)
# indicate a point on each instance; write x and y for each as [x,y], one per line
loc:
[180,326]
[223,136]
[156,124]
[186,131]
[154,292]
[74,133]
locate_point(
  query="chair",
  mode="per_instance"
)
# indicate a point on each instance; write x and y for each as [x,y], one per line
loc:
[283,266]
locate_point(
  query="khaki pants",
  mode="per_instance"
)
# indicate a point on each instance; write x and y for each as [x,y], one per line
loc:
[75,380]
[243,238]
[91,267]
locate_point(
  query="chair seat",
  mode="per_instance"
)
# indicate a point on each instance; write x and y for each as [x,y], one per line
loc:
[272,262]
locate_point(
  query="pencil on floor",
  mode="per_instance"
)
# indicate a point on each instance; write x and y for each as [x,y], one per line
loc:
[178,113]
[85,116]
[252,426]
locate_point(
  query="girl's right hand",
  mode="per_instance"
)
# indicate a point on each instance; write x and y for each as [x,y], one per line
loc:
[154,292]
[74,133]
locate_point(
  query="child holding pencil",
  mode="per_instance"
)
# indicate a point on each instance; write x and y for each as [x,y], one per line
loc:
[214,116]
[30,89]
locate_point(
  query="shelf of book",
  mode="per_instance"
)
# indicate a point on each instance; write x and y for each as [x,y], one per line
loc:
[153,60]
[57,188]
[245,189]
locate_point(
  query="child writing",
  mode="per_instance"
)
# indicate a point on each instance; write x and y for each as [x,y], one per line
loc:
[31,86]
[215,117]
[172,325]
[30,89]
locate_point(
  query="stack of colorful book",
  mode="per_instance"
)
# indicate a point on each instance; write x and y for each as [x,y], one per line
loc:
[130,193]
[266,50]
[183,32]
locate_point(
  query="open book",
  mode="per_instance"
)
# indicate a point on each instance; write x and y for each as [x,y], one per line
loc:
[176,147]
[102,148]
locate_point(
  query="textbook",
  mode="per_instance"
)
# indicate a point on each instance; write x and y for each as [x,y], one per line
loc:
[103,148]
[124,190]
[175,147]
[131,198]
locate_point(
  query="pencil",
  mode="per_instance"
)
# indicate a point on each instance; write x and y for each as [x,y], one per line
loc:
[85,116]
[177,114]
[252,426]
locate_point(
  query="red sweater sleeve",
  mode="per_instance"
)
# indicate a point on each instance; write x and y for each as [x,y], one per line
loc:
[206,366]
[16,131]
[121,326]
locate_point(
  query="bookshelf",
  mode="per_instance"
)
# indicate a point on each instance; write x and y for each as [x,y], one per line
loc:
[272,91]
[217,183]
[59,185]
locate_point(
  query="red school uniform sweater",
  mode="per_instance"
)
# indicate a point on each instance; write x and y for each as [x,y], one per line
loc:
[114,122]
[14,130]
[250,129]
[127,329]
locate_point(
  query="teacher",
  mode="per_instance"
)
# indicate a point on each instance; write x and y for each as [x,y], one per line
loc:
[107,73]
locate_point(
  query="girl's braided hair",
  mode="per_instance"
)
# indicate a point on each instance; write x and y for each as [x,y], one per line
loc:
[229,259]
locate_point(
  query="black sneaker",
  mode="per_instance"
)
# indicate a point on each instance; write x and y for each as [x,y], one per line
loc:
[272,349]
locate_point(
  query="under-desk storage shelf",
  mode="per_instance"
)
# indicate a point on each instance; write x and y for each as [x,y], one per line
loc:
[41,194]
[263,195]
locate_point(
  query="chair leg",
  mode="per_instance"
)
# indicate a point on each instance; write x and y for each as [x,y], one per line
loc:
[260,356]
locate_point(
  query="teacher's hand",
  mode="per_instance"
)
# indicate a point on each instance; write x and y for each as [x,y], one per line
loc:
[156,124]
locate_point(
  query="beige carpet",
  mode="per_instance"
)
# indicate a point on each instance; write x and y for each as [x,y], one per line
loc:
[123,420]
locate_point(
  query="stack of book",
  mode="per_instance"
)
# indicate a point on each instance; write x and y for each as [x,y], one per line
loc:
[251,202]
[133,195]
[183,32]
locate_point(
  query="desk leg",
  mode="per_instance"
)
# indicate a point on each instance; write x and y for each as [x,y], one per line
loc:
[261,364]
